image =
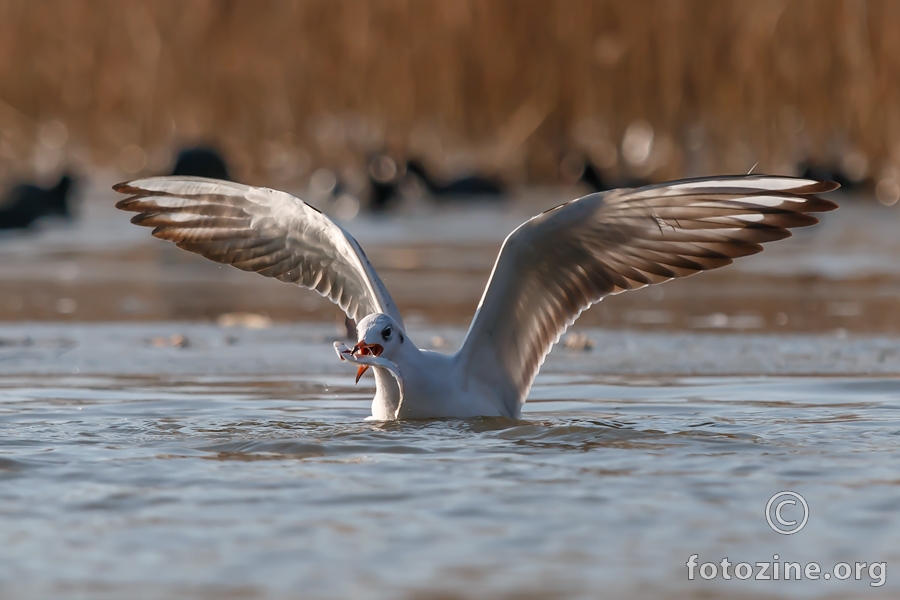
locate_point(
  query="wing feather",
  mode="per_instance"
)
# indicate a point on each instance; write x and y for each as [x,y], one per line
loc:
[562,261]
[261,230]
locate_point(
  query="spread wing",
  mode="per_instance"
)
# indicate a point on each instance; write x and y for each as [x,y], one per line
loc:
[562,261]
[261,230]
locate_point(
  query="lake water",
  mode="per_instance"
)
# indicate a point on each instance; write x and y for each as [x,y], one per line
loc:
[130,470]
[145,453]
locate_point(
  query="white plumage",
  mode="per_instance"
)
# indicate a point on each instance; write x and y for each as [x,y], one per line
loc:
[550,269]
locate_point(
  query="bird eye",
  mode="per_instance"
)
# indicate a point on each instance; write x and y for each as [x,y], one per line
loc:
[386,333]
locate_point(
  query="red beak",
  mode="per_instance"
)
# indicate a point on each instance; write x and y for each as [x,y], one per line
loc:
[364,349]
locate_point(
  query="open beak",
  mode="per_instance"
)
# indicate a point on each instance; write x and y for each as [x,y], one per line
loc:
[364,349]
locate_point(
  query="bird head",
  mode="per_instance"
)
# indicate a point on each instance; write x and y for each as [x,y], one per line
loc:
[379,335]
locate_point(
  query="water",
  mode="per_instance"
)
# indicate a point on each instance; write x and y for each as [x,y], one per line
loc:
[147,453]
[839,275]
[171,472]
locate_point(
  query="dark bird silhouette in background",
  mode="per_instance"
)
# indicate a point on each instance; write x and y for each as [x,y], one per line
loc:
[593,179]
[471,187]
[382,194]
[26,203]
[384,180]
[201,161]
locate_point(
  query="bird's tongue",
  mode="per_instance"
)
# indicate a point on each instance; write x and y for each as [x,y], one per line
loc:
[364,349]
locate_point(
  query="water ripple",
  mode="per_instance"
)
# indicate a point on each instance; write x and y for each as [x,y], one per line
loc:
[279,483]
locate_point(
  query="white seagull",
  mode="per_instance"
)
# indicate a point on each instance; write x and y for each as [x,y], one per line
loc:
[550,269]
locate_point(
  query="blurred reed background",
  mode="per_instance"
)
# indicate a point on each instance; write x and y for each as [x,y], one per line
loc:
[644,89]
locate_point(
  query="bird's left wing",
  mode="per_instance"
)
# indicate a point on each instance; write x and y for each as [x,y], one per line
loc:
[262,230]
[562,261]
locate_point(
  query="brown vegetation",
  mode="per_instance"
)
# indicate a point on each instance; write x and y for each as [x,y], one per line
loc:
[502,85]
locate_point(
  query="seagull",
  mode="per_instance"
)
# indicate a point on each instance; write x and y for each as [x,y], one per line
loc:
[549,270]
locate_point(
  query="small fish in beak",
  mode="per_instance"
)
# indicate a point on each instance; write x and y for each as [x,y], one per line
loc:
[364,349]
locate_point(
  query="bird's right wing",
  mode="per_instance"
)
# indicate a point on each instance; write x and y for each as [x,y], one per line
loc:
[261,230]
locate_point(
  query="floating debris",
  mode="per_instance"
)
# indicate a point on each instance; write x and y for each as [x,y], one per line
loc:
[244,319]
[578,341]
[173,341]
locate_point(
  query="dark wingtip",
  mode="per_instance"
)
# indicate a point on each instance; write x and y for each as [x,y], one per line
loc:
[813,204]
[819,187]
[139,220]
[128,204]
[825,205]
[124,188]
[828,186]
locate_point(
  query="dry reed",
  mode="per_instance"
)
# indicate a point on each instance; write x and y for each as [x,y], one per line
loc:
[501,85]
